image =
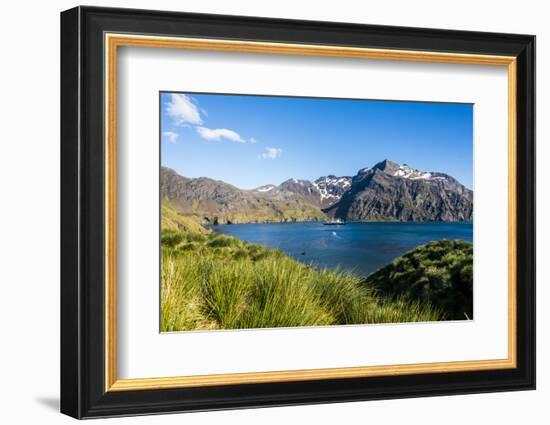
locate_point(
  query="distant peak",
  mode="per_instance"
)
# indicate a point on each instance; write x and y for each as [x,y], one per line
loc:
[407,172]
[164,169]
[387,165]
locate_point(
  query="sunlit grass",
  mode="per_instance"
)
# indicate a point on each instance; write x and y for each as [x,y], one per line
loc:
[440,273]
[214,281]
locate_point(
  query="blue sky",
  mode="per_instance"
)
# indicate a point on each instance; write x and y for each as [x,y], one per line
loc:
[250,141]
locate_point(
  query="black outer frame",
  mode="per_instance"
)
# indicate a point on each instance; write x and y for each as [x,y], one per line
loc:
[82,206]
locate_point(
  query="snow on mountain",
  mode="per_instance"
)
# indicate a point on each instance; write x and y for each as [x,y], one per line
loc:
[402,193]
[323,192]
[331,188]
[405,171]
[411,173]
[266,188]
[385,191]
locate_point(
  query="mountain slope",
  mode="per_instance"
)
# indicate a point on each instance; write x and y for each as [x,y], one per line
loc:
[385,192]
[389,191]
[172,220]
[211,201]
[331,188]
[323,192]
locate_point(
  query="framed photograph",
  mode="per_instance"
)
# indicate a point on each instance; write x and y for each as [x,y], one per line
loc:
[261,212]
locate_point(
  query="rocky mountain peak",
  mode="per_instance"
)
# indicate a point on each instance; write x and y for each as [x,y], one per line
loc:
[387,166]
[405,171]
[389,191]
[385,191]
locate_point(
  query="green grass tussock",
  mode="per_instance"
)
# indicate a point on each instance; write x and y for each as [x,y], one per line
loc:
[211,281]
[440,273]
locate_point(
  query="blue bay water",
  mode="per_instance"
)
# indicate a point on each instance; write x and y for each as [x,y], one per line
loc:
[359,247]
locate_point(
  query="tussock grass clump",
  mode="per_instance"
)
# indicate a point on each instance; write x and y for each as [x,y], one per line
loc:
[225,290]
[195,237]
[220,241]
[171,238]
[282,295]
[180,293]
[439,273]
[214,281]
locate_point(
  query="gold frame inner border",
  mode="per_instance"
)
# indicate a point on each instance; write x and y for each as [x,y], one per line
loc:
[113,41]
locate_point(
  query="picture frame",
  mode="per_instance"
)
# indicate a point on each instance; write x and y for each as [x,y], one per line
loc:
[90,40]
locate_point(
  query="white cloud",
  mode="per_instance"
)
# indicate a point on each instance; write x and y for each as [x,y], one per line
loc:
[272,153]
[183,110]
[252,140]
[218,134]
[170,136]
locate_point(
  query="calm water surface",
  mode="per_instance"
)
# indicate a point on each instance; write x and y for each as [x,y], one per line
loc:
[361,247]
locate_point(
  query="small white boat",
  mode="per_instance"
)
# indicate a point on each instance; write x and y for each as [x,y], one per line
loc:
[334,221]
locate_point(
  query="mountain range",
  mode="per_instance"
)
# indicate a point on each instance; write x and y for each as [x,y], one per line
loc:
[386,191]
